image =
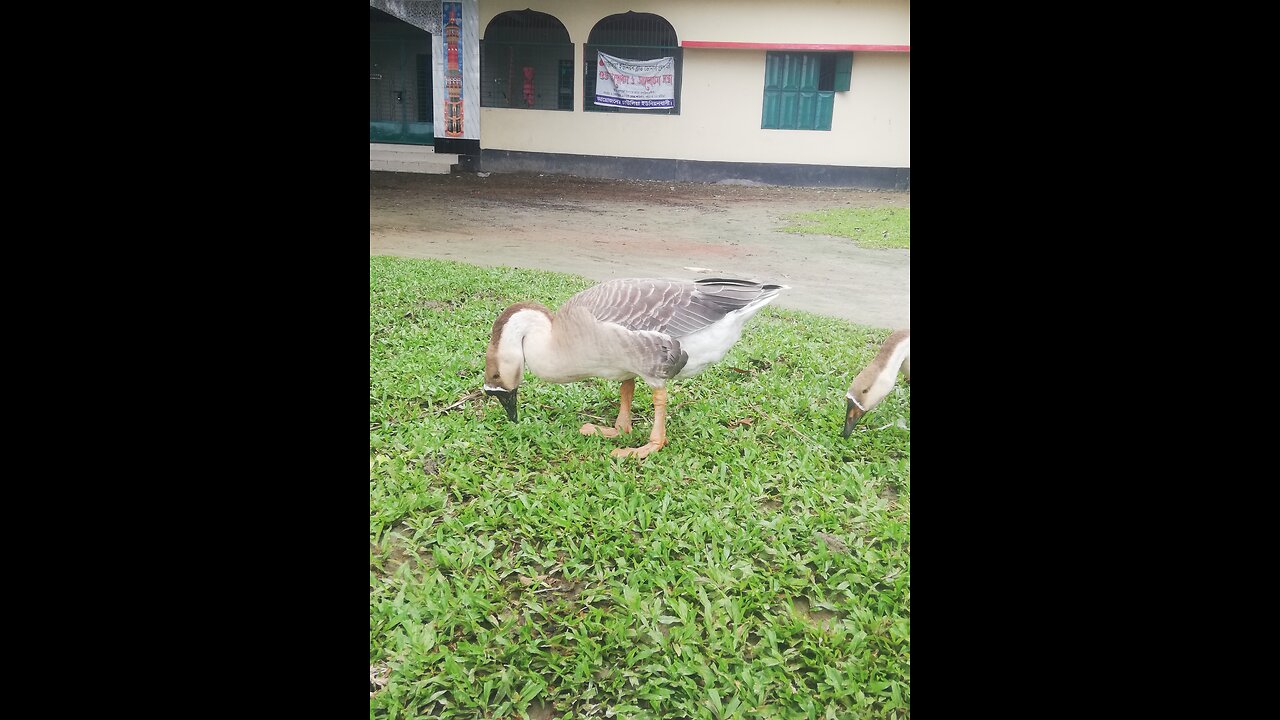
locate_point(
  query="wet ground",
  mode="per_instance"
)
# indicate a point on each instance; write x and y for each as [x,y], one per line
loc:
[604,229]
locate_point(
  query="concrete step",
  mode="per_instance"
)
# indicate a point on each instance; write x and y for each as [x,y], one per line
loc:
[410,166]
[425,149]
[410,158]
[441,159]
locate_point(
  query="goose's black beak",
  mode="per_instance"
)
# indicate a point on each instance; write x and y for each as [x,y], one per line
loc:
[508,400]
[852,415]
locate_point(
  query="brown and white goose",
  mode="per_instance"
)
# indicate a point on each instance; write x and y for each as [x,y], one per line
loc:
[877,379]
[657,330]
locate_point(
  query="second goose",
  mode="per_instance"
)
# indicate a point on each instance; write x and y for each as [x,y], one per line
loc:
[875,381]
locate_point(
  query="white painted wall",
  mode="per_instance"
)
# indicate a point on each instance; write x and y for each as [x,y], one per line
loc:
[723,90]
[878,22]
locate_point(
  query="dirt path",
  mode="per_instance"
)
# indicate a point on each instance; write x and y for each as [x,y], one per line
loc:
[605,229]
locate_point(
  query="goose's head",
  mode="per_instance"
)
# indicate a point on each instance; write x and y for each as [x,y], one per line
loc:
[877,379]
[504,360]
[867,390]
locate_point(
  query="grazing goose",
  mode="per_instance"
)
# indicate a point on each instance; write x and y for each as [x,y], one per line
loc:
[877,379]
[657,330]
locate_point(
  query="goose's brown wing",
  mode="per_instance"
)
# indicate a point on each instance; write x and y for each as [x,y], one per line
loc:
[674,307]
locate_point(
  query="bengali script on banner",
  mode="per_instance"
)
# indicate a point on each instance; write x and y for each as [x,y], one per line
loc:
[636,84]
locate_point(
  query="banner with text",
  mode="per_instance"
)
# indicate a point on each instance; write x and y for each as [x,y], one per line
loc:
[636,84]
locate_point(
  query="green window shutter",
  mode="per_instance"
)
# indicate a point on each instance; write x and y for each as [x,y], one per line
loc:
[792,100]
[805,97]
[776,99]
[772,115]
[806,67]
[790,73]
[807,111]
[787,115]
[826,103]
[844,70]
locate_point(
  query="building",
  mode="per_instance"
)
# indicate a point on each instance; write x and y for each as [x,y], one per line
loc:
[804,92]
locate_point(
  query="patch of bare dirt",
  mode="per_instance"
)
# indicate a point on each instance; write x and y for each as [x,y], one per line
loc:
[825,619]
[604,229]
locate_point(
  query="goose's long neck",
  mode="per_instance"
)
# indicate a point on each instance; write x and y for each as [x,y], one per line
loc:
[898,344]
[879,376]
[532,333]
[525,330]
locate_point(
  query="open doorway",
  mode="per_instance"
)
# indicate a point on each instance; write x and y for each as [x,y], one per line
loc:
[400,82]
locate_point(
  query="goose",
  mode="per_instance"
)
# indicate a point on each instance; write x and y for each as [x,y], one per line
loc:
[654,329]
[877,379]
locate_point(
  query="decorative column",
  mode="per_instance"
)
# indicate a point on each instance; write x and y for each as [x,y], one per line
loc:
[459,112]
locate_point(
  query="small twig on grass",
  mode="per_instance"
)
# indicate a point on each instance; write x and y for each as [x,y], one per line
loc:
[473,395]
[896,423]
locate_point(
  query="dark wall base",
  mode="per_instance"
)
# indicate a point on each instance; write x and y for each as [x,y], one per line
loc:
[602,166]
[455,146]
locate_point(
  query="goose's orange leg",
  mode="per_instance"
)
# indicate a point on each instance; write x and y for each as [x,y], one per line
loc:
[623,425]
[658,437]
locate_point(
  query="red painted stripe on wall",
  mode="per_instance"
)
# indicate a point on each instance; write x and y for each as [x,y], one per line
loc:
[724,45]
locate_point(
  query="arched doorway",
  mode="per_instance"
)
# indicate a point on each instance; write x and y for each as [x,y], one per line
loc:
[400,92]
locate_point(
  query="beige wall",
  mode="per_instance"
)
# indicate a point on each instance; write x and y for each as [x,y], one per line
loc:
[723,90]
[879,22]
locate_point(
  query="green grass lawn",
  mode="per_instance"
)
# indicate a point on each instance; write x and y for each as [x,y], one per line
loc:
[869,227]
[759,566]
